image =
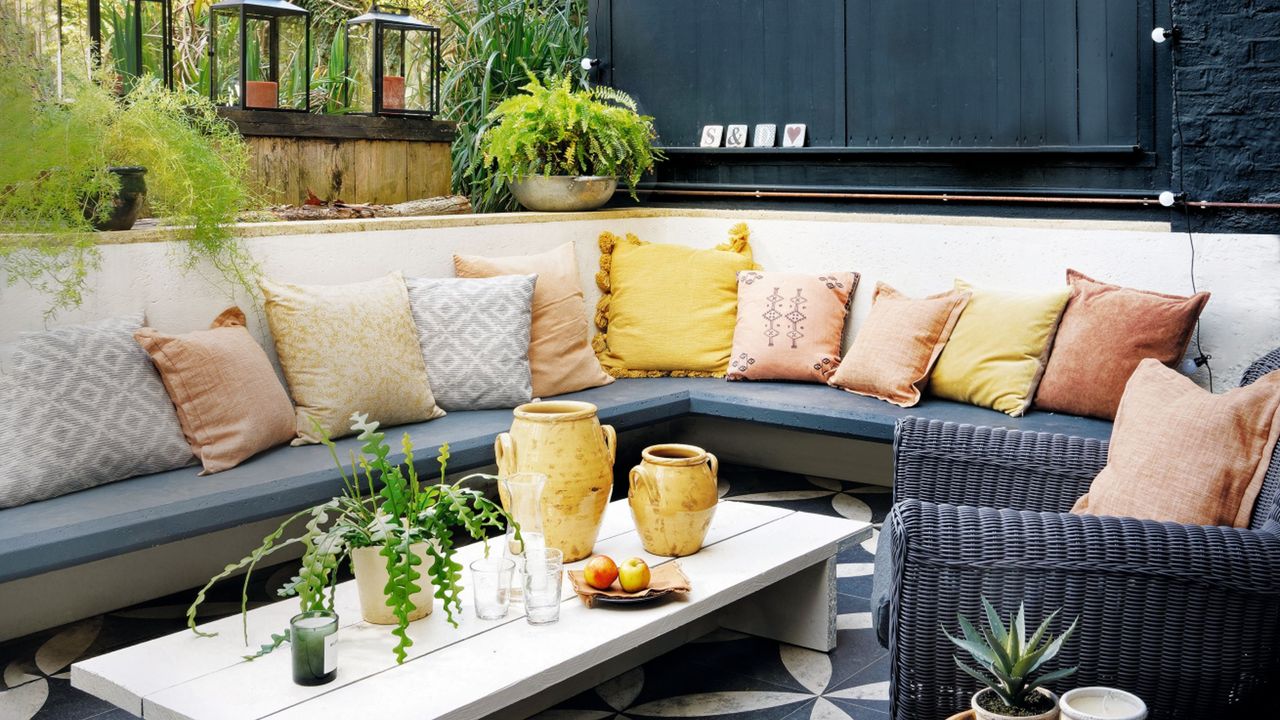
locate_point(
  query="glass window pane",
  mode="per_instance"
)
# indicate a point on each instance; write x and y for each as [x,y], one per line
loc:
[293,62]
[153,38]
[393,79]
[418,70]
[360,52]
[119,43]
[261,89]
[226,47]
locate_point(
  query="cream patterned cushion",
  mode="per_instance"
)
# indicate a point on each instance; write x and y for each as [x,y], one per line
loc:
[81,406]
[474,334]
[349,348]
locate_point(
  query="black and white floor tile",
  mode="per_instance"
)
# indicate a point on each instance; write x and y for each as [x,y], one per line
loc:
[722,676]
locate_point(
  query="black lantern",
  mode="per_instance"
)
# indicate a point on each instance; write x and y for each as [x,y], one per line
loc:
[260,55]
[133,37]
[393,64]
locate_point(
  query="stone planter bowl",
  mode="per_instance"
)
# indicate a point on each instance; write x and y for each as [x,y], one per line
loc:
[563,193]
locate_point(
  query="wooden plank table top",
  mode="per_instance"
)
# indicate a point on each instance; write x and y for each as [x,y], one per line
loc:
[481,667]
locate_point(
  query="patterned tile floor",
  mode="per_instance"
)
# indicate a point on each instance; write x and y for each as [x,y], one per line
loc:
[724,675]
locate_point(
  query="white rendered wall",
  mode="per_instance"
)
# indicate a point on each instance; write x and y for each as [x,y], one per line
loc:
[918,255]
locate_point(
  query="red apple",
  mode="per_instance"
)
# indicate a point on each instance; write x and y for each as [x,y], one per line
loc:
[634,575]
[600,572]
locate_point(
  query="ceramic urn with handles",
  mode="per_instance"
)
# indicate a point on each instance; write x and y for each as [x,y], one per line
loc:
[673,498]
[565,441]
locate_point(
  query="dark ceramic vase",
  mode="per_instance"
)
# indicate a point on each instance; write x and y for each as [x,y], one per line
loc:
[126,204]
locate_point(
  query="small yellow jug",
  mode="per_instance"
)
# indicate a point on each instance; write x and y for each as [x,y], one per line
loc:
[673,498]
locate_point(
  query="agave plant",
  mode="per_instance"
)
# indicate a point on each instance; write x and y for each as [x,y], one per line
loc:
[1012,660]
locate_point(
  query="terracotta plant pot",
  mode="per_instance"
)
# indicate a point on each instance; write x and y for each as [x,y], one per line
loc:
[981,713]
[392,92]
[371,580]
[564,441]
[261,94]
[673,498]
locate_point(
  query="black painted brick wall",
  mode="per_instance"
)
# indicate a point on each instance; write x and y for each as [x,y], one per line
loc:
[1228,81]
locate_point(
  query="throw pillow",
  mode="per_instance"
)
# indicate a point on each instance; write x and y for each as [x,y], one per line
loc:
[230,403]
[474,335]
[1182,454]
[346,349]
[668,309]
[999,347]
[790,326]
[897,345]
[560,356]
[82,406]
[1105,332]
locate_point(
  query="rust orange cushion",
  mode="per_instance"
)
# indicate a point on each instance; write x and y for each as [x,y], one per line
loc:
[1105,332]
[1182,454]
[790,325]
[560,356]
[898,343]
[230,403]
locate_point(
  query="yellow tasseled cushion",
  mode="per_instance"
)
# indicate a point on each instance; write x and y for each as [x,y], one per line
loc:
[668,309]
[999,348]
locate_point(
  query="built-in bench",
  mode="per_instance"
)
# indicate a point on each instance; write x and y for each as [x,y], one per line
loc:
[152,510]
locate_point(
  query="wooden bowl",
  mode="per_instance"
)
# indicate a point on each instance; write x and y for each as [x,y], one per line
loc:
[966,715]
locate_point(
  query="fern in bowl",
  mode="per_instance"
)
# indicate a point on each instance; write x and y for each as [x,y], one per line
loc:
[562,149]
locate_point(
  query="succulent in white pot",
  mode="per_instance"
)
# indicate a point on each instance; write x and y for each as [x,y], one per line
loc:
[1014,678]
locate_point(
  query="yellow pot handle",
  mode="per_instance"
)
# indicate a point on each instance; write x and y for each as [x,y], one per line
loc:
[610,443]
[504,453]
[715,466]
[641,481]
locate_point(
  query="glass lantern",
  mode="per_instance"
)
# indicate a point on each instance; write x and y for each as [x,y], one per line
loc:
[134,38]
[402,53]
[260,55]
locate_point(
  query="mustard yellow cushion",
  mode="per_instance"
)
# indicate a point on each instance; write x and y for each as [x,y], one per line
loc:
[346,349]
[999,348]
[668,309]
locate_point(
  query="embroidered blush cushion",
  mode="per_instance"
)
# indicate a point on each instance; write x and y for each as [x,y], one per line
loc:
[668,309]
[789,325]
[474,334]
[349,349]
[560,355]
[897,345]
[81,406]
[230,403]
[998,349]
[1182,454]
[1105,332]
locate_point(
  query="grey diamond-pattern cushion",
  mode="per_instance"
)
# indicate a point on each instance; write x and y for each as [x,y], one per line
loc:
[474,334]
[82,406]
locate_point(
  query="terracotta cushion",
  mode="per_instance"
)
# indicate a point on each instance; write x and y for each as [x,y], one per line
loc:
[230,403]
[560,355]
[1181,454]
[898,343]
[1105,332]
[790,326]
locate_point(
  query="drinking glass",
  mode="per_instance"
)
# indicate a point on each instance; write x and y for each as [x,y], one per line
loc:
[543,577]
[522,497]
[491,587]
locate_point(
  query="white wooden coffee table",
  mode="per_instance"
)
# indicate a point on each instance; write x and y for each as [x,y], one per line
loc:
[764,570]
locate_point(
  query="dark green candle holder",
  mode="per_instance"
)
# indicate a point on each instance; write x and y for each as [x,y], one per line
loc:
[313,640]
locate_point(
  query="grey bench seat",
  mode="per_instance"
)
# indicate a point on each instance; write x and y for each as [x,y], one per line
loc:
[155,509]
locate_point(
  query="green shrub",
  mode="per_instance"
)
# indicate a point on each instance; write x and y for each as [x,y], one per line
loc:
[558,131]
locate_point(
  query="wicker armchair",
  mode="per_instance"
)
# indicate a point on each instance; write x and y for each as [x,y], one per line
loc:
[1187,617]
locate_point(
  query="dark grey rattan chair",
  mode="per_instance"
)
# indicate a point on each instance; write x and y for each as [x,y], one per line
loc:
[1187,617]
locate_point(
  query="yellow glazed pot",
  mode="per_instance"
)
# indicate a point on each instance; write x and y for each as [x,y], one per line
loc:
[370,569]
[673,498]
[565,441]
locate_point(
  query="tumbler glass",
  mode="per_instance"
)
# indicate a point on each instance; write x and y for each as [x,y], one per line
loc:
[543,577]
[491,586]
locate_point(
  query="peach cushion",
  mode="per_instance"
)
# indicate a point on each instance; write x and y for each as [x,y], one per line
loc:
[230,403]
[790,325]
[1182,454]
[1105,332]
[895,349]
[560,356]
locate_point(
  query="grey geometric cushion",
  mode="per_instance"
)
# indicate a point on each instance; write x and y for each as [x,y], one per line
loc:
[82,406]
[474,334]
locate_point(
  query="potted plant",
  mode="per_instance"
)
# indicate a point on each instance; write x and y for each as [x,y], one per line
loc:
[564,150]
[1012,661]
[407,525]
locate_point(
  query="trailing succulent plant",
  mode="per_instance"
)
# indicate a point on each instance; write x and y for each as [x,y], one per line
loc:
[401,513]
[554,130]
[1011,659]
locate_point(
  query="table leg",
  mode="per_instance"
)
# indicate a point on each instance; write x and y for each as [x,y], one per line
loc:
[800,609]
